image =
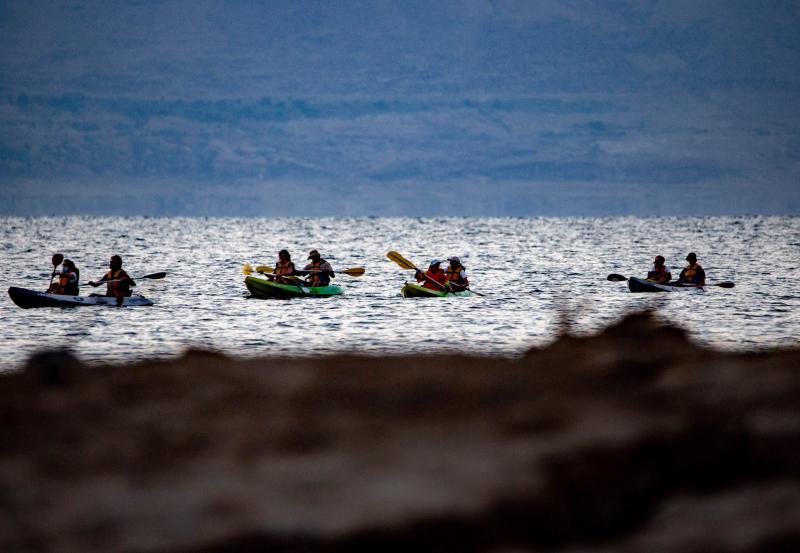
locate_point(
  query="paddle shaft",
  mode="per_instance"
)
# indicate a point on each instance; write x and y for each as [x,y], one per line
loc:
[153,276]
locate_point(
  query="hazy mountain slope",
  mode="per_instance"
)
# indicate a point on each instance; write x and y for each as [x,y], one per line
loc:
[557,104]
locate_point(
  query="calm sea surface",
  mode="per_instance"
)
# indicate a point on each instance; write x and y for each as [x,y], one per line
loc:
[531,270]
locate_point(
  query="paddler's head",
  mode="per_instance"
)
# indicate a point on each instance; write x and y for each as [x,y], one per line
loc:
[115,263]
[314,255]
[57,259]
[660,261]
[435,263]
[691,258]
[283,255]
[454,261]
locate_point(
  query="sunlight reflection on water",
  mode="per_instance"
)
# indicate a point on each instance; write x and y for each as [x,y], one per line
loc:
[529,269]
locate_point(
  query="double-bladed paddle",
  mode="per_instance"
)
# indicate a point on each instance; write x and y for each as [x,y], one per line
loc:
[154,276]
[406,264]
[614,277]
[247,269]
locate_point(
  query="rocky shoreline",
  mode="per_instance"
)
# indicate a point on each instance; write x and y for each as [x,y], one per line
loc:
[631,440]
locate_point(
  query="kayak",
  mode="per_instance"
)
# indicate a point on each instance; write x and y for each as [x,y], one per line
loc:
[27,299]
[644,285]
[411,290]
[266,289]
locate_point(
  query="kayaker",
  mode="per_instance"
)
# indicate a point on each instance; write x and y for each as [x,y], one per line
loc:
[119,283]
[693,274]
[434,273]
[660,273]
[67,284]
[457,275]
[319,271]
[283,268]
[56,261]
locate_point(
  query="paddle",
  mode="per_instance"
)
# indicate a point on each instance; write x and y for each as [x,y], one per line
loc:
[56,261]
[406,264]
[154,276]
[353,272]
[613,277]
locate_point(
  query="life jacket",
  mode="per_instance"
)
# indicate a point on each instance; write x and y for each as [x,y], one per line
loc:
[318,279]
[284,268]
[690,272]
[658,274]
[68,284]
[438,275]
[454,275]
[113,288]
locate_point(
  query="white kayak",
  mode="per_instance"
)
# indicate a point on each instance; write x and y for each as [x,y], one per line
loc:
[31,298]
[644,285]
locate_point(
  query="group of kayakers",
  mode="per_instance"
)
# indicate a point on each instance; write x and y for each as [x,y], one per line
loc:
[692,275]
[118,282]
[318,271]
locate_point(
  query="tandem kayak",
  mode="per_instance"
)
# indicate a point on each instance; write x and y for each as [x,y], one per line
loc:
[644,285]
[411,290]
[267,289]
[27,299]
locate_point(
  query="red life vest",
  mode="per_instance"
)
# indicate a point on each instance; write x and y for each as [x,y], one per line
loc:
[436,274]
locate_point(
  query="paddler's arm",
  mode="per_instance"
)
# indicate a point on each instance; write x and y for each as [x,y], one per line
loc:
[94,284]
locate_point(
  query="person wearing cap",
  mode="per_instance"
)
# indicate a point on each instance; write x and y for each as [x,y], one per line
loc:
[660,273]
[693,274]
[319,271]
[432,276]
[457,275]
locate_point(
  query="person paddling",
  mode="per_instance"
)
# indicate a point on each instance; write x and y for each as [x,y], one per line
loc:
[660,273]
[434,273]
[119,283]
[283,268]
[693,274]
[319,271]
[457,275]
[56,261]
[67,284]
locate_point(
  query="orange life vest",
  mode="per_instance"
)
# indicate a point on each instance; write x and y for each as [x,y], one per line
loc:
[284,268]
[68,284]
[318,279]
[113,288]
[454,275]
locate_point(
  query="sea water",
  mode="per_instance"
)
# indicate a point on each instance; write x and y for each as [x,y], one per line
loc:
[535,274]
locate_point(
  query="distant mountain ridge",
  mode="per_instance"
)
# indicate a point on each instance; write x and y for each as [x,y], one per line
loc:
[548,107]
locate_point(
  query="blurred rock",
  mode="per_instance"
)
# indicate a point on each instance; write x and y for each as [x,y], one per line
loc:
[631,440]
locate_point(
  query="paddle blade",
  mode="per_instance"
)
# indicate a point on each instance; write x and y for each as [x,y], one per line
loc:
[725,284]
[247,269]
[264,269]
[355,271]
[613,277]
[401,261]
[155,276]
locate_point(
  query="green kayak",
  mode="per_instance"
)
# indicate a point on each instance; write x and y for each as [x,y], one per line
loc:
[263,288]
[410,290]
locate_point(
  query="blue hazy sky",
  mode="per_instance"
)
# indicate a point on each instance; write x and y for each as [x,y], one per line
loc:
[533,107]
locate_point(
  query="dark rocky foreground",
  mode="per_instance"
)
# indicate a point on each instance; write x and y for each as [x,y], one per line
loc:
[633,440]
